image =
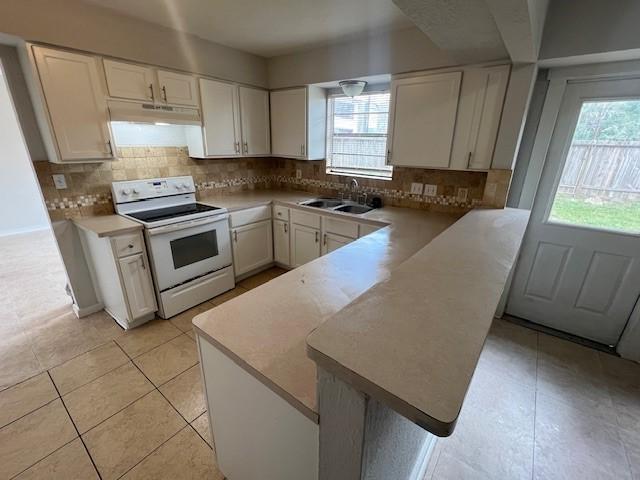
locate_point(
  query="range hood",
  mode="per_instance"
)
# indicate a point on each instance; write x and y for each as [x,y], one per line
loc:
[121,111]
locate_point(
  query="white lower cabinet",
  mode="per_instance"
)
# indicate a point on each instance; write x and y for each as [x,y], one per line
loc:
[252,246]
[331,242]
[281,242]
[137,287]
[120,273]
[305,243]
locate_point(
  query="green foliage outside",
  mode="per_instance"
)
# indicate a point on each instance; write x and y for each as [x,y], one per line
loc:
[611,215]
[617,121]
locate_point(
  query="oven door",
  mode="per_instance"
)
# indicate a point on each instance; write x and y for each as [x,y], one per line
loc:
[183,251]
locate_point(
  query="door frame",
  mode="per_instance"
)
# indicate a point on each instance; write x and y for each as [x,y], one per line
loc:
[558,78]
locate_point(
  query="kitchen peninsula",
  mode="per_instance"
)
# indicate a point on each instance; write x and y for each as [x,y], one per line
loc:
[271,406]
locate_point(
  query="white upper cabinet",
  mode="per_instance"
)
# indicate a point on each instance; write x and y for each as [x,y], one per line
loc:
[76,104]
[479,113]
[422,120]
[178,88]
[254,115]
[220,118]
[126,80]
[298,123]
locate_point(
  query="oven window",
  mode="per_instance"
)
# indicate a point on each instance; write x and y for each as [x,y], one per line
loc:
[193,249]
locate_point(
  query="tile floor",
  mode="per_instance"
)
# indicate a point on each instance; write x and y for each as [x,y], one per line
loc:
[84,399]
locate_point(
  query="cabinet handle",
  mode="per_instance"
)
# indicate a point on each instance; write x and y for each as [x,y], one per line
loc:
[317,234]
[164,93]
[144,267]
[237,147]
[324,240]
[469,159]
[246,147]
[110,152]
[286,228]
[153,97]
[235,236]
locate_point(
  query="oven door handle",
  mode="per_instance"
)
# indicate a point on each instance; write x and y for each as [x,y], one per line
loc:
[183,225]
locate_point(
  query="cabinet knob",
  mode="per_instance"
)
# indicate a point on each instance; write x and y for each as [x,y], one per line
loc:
[130,245]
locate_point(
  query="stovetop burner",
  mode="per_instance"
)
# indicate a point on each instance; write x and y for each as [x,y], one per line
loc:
[159,214]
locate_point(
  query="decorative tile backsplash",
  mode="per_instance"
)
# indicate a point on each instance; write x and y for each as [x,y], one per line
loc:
[89,184]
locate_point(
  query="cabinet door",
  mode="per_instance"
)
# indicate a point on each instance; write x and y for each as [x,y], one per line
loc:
[77,104]
[331,242]
[481,101]
[281,242]
[254,115]
[125,80]
[422,120]
[289,123]
[252,246]
[137,284]
[178,88]
[221,118]
[305,244]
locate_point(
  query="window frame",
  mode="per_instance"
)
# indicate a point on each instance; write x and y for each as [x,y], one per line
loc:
[354,172]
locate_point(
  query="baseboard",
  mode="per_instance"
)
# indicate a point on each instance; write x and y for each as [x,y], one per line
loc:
[84,311]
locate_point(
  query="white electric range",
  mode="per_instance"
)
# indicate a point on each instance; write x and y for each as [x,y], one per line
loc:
[188,242]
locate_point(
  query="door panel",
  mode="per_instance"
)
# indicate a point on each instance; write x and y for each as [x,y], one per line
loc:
[221,118]
[579,270]
[305,244]
[254,114]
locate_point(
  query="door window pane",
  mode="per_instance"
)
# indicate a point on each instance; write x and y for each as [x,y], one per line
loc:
[600,183]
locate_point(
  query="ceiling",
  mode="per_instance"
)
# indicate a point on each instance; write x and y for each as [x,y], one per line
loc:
[267,28]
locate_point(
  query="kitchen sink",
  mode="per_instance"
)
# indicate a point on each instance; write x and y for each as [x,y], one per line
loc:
[357,209]
[323,202]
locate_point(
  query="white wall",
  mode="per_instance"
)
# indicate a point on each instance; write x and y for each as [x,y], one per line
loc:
[21,207]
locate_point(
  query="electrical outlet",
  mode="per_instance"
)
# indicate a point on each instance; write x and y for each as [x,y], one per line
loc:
[416,188]
[298,173]
[462,194]
[59,181]
[430,190]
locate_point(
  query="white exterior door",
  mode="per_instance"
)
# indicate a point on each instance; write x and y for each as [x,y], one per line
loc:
[305,244]
[125,80]
[137,285]
[422,120]
[281,242]
[178,88]
[252,246]
[579,270]
[76,103]
[254,115]
[289,122]
[221,118]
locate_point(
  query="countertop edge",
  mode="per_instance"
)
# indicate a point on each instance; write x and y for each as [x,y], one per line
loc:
[302,408]
[109,232]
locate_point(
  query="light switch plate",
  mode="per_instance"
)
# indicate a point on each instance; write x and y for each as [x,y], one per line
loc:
[298,173]
[462,194]
[430,190]
[416,188]
[59,181]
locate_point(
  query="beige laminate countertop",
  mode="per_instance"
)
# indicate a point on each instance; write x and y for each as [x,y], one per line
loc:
[265,329]
[108,225]
[413,340]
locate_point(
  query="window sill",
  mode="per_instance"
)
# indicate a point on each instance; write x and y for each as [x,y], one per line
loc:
[344,173]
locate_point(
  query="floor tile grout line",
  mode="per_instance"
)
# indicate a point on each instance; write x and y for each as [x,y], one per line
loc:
[32,411]
[196,430]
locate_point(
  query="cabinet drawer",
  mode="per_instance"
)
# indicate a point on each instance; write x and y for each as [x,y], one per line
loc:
[280,212]
[340,227]
[305,218]
[127,244]
[250,215]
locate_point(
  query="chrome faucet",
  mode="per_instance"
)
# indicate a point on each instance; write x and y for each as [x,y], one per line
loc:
[353,186]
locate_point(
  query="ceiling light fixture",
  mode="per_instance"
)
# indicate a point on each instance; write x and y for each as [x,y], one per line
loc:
[352,88]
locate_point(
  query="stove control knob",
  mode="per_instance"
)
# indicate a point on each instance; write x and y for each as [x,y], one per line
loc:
[135,192]
[126,191]
[178,187]
[185,185]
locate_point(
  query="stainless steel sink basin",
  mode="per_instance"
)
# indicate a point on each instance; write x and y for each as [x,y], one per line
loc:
[357,209]
[323,202]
